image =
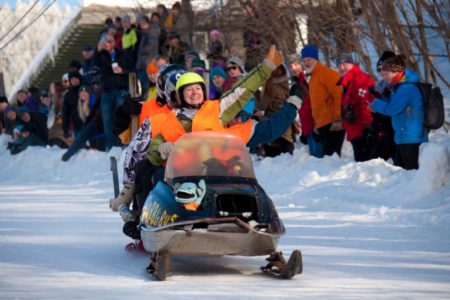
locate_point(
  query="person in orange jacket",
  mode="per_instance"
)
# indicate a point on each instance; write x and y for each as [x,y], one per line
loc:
[325,98]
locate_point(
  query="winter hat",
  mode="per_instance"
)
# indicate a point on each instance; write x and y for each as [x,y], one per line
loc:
[65,77]
[86,88]
[192,54]
[44,93]
[87,47]
[18,129]
[234,60]
[394,64]
[21,110]
[74,74]
[214,32]
[385,55]
[173,35]
[151,68]
[198,63]
[309,51]
[345,59]
[75,64]
[217,71]
[9,108]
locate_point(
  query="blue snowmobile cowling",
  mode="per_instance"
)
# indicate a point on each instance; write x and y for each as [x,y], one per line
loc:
[232,215]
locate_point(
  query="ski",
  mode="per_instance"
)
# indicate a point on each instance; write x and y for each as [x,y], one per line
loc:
[278,267]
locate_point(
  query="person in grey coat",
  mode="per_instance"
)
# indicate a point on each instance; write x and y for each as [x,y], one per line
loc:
[148,48]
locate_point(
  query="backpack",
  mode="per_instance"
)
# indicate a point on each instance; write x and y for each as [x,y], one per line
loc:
[433,105]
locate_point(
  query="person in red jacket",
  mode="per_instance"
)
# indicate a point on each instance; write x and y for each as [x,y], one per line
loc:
[355,111]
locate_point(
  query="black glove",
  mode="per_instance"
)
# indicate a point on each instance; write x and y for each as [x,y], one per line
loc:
[129,107]
[386,93]
[297,90]
[304,139]
[373,91]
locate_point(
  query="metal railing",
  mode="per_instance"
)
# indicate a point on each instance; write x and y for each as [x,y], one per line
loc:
[47,54]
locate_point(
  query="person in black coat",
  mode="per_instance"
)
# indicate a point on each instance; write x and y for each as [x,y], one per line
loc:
[34,122]
[114,66]
[70,113]
[92,132]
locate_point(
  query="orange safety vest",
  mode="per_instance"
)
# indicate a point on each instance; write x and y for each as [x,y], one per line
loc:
[205,119]
[150,108]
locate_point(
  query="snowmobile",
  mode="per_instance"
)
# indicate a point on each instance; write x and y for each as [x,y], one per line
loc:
[210,203]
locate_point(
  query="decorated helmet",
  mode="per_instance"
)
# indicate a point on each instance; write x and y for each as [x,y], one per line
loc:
[188,79]
[170,88]
[162,77]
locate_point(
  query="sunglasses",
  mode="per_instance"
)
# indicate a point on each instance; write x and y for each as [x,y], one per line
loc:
[231,68]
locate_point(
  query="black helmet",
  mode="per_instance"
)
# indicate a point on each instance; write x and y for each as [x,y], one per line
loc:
[162,77]
[170,90]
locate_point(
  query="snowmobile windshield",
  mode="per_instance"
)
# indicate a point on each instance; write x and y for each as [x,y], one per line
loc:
[209,154]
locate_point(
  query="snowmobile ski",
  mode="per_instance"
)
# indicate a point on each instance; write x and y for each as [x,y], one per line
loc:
[115,175]
[280,268]
[160,266]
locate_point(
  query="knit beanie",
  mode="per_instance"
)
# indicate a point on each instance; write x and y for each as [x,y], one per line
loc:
[385,55]
[75,64]
[21,110]
[192,54]
[18,129]
[151,68]
[217,71]
[309,51]
[75,74]
[345,59]
[9,108]
[214,32]
[234,60]
[198,63]
[85,88]
[394,65]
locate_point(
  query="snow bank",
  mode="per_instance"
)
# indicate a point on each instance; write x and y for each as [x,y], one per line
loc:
[20,55]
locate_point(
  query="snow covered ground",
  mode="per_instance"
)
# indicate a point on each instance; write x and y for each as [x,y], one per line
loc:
[366,230]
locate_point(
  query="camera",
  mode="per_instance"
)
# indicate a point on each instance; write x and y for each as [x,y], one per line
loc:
[348,113]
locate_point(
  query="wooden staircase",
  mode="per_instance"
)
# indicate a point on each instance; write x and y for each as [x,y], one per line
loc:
[70,47]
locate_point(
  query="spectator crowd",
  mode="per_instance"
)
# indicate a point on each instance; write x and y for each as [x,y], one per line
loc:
[91,105]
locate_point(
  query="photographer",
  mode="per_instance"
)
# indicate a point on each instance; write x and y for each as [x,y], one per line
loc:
[114,68]
[356,115]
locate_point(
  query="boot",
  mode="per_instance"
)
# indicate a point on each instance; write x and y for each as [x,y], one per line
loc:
[125,197]
[274,57]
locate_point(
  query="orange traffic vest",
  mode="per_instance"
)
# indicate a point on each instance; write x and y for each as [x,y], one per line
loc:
[150,108]
[205,119]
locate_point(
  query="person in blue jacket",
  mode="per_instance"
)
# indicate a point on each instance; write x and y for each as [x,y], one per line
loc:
[405,106]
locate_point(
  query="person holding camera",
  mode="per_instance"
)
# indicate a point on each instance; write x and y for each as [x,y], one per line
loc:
[114,66]
[356,115]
